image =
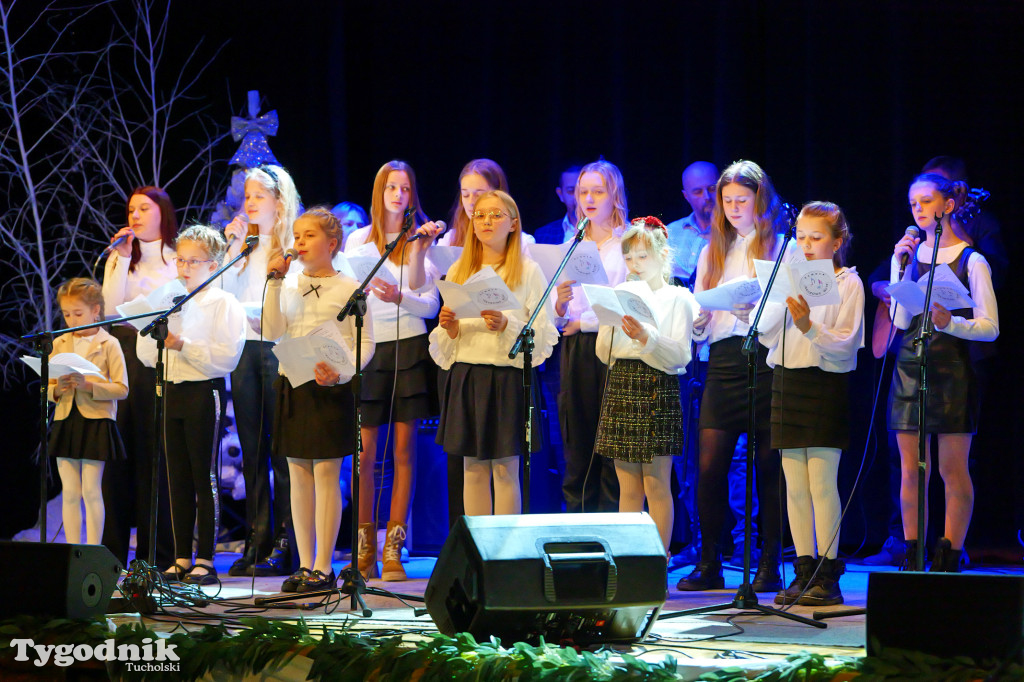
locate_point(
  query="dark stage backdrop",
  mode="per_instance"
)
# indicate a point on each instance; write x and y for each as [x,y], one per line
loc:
[841,101]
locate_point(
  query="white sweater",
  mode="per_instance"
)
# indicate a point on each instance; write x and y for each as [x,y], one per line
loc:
[667,348]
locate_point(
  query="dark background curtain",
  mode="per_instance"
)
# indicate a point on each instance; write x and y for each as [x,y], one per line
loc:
[840,100]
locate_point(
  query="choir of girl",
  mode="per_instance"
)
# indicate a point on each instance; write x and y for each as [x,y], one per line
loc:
[84,436]
[399,386]
[744,226]
[589,483]
[270,205]
[204,342]
[482,413]
[812,351]
[314,419]
[641,421]
[952,404]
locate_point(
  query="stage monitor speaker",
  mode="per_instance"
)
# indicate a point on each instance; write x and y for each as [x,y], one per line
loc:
[946,614]
[56,579]
[578,578]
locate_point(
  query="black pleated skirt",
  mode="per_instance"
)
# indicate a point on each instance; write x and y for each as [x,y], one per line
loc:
[810,408]
[482,412]
[76,437]
[641,417]
[724,404]
[313,421]
[414,389]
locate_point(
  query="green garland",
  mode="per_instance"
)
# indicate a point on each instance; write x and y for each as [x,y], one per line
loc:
[338,654]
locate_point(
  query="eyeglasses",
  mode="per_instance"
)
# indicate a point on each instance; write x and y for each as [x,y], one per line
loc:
[493,215]
[191,263]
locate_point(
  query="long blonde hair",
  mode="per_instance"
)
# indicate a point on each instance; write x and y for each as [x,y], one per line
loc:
[276,180]
[491,172]
[768,220]
[511,267]
[377,207]
[616,188]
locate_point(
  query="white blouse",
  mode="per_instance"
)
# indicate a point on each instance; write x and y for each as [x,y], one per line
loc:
[155,268]
[298,304]
[406,319]
[985,325]
[835,336]
[475,344]
[668,347]
[246,280]
[723,323]
[212,334]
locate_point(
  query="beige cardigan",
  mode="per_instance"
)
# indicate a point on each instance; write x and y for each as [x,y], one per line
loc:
[105,353]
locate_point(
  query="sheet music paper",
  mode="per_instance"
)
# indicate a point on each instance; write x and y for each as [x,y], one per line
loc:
[611,304]
[584,266]
[741,290]
[63,364]
[815,280]
[158,299]
[485,290]
[326,343]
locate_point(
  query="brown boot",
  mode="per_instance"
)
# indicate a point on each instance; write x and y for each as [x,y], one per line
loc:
[368,550]
[393,570]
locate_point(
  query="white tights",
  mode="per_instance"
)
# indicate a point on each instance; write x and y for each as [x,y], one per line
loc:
[476,494]
[316,509]
[653,481]
[82,480]
[813,498]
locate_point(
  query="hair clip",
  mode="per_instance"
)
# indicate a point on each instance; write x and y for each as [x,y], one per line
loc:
[269,171]
[651,223]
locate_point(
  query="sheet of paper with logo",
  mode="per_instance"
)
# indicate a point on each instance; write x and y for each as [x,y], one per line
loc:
[611,304]
[584,266]
[63,364]
[947,291]
[358,262]
[738,291]
[299,356]
[443,257]
[815,280]
[483,291]
[158,299]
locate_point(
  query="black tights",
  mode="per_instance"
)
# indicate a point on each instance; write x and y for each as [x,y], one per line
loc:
[716,450]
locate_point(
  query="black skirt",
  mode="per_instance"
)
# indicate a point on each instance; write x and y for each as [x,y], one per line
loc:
[313,421]
[810,408]
[724,404]
[641,417]
[414,390]
[76,437]
[482,412]
[952,404]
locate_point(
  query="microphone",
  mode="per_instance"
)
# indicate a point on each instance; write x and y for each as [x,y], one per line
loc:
[440,223]
[289,256]
[581,226]
[912,231]
[114,244]
[233,238]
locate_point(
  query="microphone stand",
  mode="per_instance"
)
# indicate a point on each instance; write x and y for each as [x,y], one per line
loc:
[524,344]
[43,343]
[924,336]
[745,597]
[158,330]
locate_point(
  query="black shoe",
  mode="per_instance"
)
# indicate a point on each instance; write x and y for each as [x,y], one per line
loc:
[706,575]
[767,578]
[292,582]
[910,557]
[243,563]
[945,559]
[824,588]
[175,573]
[207,576]
[278,562]
[803,568]
[317,580]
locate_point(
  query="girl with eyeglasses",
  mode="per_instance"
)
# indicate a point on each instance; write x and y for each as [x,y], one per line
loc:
[137,266]
[590,482]
[269,209]
[482,400]
[203,350]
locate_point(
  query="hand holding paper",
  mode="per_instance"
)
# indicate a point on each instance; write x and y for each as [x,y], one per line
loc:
[947,291]
[159,299]
[358,262]
[299,356]
[611,305]
[815,280]
[63,364]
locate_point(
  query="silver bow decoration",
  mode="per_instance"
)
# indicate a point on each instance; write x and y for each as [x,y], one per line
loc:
[253,132]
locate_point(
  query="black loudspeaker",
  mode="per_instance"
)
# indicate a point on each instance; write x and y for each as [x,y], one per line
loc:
[60,580]
[578,578]
[946,614]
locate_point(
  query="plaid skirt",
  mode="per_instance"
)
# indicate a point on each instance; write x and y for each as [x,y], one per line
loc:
[641,417]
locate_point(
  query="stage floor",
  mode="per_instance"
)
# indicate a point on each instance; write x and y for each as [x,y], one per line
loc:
[747,639]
